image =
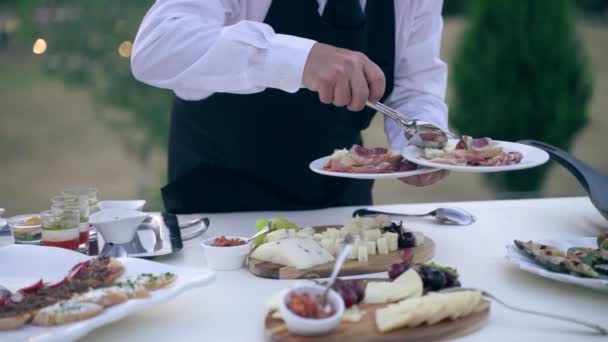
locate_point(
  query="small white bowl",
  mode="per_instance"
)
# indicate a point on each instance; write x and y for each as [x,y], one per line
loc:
[311,326]
[130,205]
[117,226]
[225,258]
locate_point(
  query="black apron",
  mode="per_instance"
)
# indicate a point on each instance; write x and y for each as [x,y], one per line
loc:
[233,152]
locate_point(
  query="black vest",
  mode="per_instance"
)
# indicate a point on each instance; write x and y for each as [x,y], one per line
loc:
[251,152]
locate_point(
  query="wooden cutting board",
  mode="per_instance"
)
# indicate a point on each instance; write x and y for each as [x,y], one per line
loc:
[376,263]
[365,330]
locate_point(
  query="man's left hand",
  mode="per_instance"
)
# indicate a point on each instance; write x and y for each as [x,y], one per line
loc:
[425,179]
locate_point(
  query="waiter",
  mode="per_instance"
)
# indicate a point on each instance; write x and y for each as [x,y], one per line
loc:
[266,86]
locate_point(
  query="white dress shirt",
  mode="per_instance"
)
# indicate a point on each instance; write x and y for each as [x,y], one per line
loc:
[199,47]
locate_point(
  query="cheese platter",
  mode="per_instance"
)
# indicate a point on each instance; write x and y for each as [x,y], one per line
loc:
[410,307]
[291,252]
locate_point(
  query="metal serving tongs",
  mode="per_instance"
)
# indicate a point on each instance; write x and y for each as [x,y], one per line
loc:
[419,133]
[598,328]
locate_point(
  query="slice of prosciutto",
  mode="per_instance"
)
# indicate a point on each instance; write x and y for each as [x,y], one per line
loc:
[359,159]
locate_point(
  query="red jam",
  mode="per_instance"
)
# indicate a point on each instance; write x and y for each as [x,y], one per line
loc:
[304,306]
[223,241]
[67,244]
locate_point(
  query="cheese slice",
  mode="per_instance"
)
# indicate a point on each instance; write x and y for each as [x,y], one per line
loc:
[407,285]
[300,253]
[353,314]
[277,235]
[428,310]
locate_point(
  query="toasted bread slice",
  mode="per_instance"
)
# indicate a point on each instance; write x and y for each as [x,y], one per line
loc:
[14,322]
[66,312]
[155,281]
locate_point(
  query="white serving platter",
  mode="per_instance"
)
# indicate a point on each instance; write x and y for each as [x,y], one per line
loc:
[317,167]
[22,265]
[525,263]
[532,157]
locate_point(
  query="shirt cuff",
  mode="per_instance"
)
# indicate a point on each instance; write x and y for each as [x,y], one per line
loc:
[285,61]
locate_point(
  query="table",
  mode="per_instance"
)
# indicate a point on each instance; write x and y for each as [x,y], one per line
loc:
[233,307]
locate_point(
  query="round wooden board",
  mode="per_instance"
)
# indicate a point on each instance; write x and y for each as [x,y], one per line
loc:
[376,263]
[365,330]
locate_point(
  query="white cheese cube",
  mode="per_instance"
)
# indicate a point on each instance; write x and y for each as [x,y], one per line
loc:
[362,254]
[332,232]
[382,246]
[372,234]
[353,254]
[317,236]
[371,247]
[392,239]
[277,235]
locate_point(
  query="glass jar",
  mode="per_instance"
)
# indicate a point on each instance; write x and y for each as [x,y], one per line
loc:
[26,229]
[60,228]
[75,202]
[91,194]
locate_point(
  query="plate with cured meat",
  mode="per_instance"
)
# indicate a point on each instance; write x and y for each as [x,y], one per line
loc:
[360,162]
[70,294]
[469,154]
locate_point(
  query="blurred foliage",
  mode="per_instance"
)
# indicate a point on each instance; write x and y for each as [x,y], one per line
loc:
[593,8]
[519,74]
[83,40]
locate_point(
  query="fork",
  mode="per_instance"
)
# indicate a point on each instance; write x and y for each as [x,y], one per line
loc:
[600,329]
[414,129]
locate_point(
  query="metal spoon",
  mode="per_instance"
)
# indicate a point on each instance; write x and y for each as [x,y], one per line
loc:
[449,216]
[261,232]
[348,245]
[419,133]
[116,252]
[601,330]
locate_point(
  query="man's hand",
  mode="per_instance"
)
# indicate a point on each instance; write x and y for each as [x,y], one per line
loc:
[425,179]
[343,77]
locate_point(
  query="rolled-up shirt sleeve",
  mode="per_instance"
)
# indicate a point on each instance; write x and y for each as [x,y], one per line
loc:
[420,74]
[188,47]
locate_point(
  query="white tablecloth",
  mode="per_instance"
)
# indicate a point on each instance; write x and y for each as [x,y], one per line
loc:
[234,306]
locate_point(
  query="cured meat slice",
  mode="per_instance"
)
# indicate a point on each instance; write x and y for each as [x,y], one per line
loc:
[360,159]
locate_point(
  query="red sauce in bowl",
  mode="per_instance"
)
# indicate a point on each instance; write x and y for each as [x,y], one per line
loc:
[223,241]
[304,306]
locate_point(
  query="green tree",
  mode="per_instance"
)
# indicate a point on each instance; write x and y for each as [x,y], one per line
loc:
[89,47]
[519,73]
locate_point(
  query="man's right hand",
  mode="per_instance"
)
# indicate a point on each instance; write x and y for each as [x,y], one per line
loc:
[343,77]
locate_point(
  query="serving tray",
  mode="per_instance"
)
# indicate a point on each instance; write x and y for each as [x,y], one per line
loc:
[366,331]
[159,234]
[377,263]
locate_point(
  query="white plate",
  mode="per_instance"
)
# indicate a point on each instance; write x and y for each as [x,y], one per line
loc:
[21,266]
[529,265]
[532,157]
[317,166]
